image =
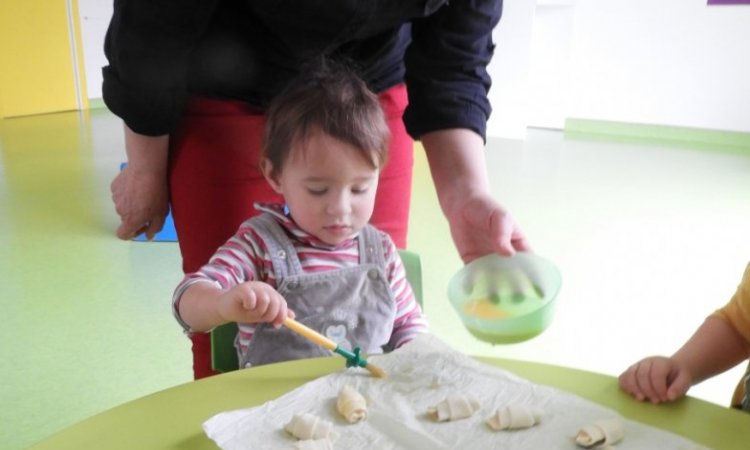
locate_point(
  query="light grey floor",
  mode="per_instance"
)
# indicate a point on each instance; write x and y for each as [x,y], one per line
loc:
[649,239]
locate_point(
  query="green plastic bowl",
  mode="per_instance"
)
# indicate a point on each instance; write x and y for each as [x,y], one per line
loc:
[502,300]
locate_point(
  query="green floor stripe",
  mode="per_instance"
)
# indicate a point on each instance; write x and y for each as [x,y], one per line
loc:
[658,134]
[96,103]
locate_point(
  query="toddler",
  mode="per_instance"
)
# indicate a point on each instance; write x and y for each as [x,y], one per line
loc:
[315,257]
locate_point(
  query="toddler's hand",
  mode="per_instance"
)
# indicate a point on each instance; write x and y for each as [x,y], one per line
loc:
[254,302]
[656,379]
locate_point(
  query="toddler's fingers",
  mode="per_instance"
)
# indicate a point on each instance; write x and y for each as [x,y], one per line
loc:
[643,379]
[628,382]
[272,312]
[261,305]
[679,386]
[249,300]
[659,376]
[283,313]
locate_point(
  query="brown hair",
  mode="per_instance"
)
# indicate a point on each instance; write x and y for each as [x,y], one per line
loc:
[330,97]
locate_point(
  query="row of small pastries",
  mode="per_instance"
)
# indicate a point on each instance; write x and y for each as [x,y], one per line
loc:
[600,434]
[315,433]
[459,406]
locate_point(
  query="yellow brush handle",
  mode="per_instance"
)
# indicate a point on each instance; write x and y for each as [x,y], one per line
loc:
[310,334]
[323,341]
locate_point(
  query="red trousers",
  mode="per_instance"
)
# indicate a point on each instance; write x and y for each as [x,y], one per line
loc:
[214,179]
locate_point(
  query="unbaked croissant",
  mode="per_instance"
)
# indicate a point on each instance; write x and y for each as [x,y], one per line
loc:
[600,433]
[313,444]
[514,417]
[308,426]
[351,404]
[454,407]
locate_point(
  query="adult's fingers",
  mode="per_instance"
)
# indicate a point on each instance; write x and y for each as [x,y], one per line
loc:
[519,241]
[129,229]
[501,230]
[154,227]
[508,236]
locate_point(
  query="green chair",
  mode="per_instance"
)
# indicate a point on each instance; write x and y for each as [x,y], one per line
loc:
[224,355]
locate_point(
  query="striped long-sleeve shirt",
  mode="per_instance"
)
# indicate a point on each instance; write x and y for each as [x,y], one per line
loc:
[245,257]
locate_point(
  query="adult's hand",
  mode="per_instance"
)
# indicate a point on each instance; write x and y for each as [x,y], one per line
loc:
[140,191]
[479,225]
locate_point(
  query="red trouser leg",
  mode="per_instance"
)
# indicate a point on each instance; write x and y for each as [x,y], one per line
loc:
[214,181]
[393,198]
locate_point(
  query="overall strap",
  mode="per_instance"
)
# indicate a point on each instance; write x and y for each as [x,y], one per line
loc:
[280,248]
[371,247]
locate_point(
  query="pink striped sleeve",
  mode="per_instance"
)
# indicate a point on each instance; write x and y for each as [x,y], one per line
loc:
[409,320]
[242,258]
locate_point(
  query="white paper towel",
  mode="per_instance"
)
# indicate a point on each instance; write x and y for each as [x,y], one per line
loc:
[421,374]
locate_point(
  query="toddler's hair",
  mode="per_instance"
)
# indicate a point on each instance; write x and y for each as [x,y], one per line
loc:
[327,96]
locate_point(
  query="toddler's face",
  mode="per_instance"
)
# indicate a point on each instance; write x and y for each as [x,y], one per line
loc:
[329,188]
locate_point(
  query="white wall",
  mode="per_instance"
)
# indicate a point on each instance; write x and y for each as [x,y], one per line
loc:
[509,70]
[94,19]
[666,62]
[549,61]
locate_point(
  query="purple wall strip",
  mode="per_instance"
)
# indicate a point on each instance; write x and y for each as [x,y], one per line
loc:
[729,2]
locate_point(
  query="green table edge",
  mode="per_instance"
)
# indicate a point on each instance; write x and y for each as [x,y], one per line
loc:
[169,419]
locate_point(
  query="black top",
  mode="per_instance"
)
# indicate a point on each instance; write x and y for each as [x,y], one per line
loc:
[161,51]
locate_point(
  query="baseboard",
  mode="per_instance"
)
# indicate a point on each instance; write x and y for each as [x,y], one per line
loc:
[96,103]
[658,134]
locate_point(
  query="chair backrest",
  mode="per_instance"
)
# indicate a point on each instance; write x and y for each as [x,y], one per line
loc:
[224,355]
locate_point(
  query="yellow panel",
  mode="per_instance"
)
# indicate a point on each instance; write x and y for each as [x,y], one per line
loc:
[36,67]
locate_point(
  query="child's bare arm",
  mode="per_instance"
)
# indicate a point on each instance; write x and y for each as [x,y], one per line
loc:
[204,306]
[714,348]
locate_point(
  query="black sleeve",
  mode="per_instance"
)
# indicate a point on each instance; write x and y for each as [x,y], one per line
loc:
[446,67]
[148,46]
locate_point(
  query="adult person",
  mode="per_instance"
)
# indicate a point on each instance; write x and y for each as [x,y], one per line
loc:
[190,79]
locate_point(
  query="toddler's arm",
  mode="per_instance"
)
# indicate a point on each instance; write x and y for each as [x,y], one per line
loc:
[714,348]
[204,306]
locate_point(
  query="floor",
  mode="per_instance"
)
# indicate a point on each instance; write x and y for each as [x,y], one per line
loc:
[649,238]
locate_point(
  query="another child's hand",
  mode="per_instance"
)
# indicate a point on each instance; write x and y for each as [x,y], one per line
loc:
[254,302]
[656,379]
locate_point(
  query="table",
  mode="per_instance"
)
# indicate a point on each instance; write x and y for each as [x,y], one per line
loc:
[172,418]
